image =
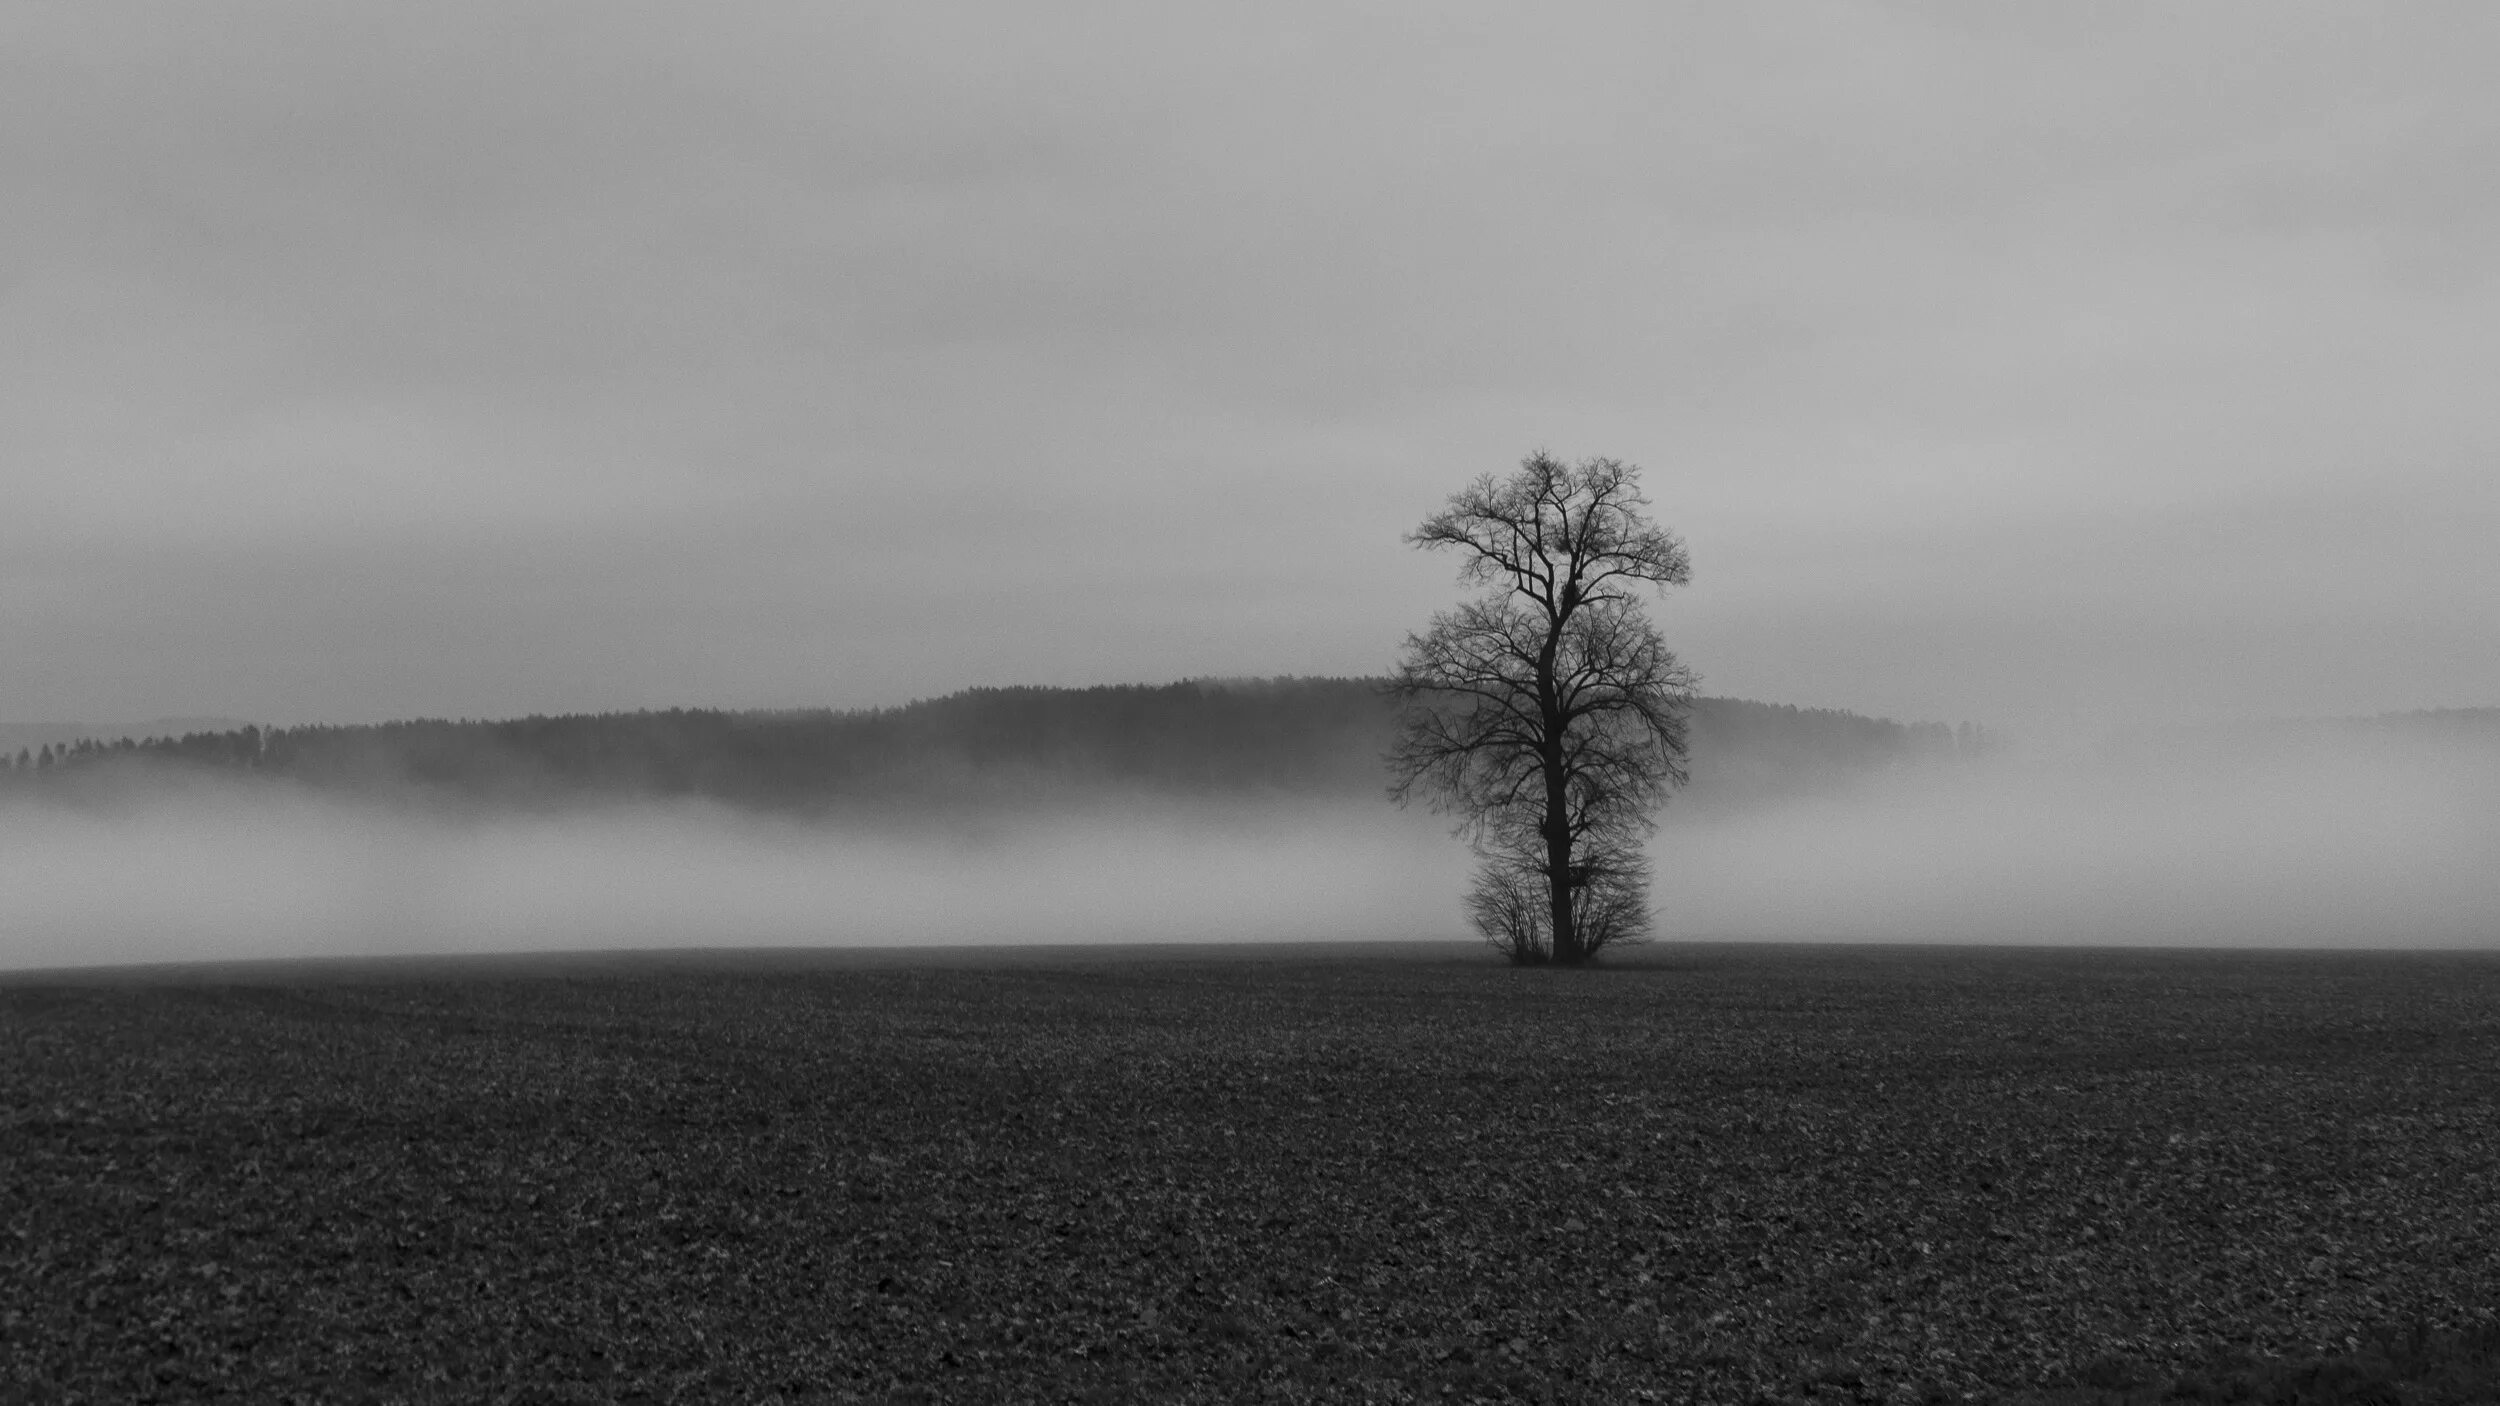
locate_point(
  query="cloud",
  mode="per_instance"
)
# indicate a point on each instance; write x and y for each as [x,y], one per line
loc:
[1132,337]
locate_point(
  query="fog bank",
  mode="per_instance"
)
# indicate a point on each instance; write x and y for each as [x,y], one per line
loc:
[2304,841]
[229,871]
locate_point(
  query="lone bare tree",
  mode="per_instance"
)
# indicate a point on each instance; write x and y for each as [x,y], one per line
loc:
[1549,714]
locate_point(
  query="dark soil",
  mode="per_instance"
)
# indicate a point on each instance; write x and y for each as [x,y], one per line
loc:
[1702,1174]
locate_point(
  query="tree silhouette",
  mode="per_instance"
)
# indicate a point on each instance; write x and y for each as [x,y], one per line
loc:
[1548,714]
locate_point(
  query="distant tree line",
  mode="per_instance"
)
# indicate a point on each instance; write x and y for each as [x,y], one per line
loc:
[1282,737]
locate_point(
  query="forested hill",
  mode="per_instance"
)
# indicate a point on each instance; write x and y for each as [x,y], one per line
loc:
[1281,737]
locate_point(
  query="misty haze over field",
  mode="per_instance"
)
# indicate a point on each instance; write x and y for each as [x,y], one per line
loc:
[222,871]
[1799,826]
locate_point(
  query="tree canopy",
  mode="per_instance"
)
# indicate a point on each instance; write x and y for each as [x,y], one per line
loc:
[1548,714]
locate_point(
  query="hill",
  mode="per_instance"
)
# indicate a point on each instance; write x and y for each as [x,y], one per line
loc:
[1281,737]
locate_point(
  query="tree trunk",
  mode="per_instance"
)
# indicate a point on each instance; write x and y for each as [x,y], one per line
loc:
[1564,932]
[1566,929]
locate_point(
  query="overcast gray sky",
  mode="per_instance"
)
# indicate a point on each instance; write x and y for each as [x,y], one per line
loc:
[2037,364]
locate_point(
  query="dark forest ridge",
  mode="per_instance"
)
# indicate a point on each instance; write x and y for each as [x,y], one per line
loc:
[14,736]
[1287,736]
[1282,737]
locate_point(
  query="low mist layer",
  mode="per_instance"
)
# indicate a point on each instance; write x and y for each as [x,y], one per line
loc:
[228,871]
[2334,840]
